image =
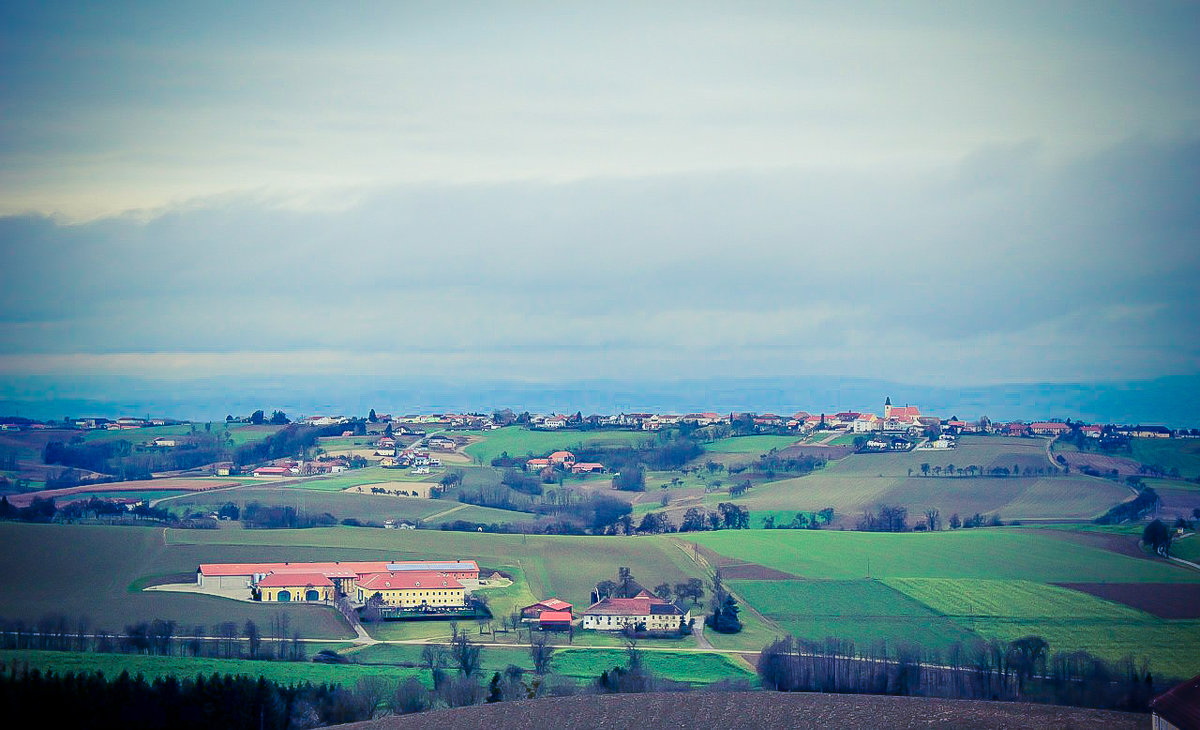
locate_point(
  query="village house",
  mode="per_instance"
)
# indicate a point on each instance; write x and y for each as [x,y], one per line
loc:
[1016,429]
[1145,432]
[865,423]
[286,587]
[587,467]
[411,589]
[643,612]
[1049,428]
[441,443]
[1178,708]
[271,471]
[552,609]
[562,458]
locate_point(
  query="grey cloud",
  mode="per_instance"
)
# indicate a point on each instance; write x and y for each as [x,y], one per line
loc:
[1003,253]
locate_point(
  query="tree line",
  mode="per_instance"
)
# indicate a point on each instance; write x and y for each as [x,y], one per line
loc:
[1023,670]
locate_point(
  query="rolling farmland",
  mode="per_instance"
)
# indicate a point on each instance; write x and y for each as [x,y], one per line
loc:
[988,553]
[753,445]
[864,481]
[343,505]
[936,589]
[1181,454]
[862,611]
[518,441]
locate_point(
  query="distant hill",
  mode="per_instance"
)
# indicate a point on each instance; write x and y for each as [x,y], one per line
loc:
[1168,401]
[756,709]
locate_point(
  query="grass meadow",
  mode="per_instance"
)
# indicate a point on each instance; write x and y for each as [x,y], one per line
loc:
[933,588]
[863,611]
[519,441]
[342,505]
[1181,454]
[983,451]
[985,553]
[152,667]
[754,445]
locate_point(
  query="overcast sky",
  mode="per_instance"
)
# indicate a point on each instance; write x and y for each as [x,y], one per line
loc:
[943,193]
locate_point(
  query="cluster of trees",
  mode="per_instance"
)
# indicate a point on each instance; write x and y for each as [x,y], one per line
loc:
[972,470]
[894,518]
[258,516]
[1135,509]
[287,441]
[802,521]
[723,616]
[772,463]
[1022,670]
[228,640]
[1158,537]
[728,515]
[122,460]
[45,510]
[631,478]
[87,700]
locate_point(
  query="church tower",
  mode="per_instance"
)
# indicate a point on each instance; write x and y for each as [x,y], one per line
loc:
[887,408]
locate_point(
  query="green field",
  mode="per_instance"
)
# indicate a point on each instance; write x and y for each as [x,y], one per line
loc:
[343,505]
[749,444]
[1013,498]
[991,553]
[145,494]
[862,611]
[1168,646]
[519,441]
[90,570]
[1181,454]
[366,475]
[584,665]
[152,667]
[997,591]
[1188,548]
[982,451]
[1014,599]
[241,433]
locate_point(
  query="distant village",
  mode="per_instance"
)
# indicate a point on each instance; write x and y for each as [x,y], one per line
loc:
[899,420]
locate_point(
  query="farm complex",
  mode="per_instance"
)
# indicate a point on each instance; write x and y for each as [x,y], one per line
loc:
[408,584]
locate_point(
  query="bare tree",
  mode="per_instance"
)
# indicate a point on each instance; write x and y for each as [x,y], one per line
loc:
[253,637]
[433,658]
[541,651]
[408,696]
[933,519]
[465,653]
[280,623]
[371,690]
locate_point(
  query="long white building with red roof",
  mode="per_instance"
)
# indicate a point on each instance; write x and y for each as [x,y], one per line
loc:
[398,582]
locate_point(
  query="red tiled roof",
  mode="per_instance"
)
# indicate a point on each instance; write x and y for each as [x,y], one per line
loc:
[555,604]
[620,607]
[288,580]
[554,617]
[561,455]
[334,569]
[1180,705]
[406,580]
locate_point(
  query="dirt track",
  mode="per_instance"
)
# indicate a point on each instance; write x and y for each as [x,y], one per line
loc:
[756,710]
[1165,600]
